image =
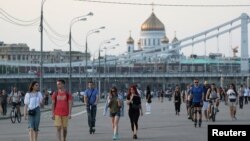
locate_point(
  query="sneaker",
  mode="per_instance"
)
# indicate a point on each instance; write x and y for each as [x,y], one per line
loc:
[217,109]
[200,123]
[135,136]
[117,136]
[93,130]
[114,137]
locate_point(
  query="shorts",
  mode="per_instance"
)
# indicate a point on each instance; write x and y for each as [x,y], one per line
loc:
[205,105]
[197,104]
[14,104]
[188,103]
[118,114]
[61,121]
[34,121]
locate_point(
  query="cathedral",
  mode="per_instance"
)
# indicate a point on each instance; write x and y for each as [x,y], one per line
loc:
[153,39]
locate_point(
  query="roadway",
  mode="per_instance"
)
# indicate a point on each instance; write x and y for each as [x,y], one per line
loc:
[161,125]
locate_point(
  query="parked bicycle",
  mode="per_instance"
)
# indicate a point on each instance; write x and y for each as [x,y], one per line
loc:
[15,115]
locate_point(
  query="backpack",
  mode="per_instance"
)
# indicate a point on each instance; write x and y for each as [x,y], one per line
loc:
[56,93]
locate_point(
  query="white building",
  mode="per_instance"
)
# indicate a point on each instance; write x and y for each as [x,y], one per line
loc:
[152,36]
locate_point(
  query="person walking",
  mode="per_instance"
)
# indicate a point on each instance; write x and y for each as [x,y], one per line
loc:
[188,100]
[177,100]
[148,100]
[246,93]
[33,100]
[91,98]
[162,94]
[205,106]
[241,92]
[197,96]
[114,105]
[135,108]
[61,109]
[232,98]
[4,102]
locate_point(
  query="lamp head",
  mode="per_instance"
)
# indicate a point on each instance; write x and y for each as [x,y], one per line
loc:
[102,27]
[90,14]
[97,31]
[82,19]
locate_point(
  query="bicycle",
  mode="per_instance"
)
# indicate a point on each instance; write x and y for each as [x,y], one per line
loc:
[15,115]
[213,110]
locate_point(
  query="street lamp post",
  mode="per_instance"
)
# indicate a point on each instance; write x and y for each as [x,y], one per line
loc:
[92,31]
[73,21]
[105,61]
[41,51]
[99,62]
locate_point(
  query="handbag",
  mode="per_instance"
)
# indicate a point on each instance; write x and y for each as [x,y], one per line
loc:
[32,112]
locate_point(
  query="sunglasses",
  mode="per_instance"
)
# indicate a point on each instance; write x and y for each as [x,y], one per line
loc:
[196,82]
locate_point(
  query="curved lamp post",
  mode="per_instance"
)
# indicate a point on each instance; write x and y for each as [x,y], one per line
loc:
[99,63]
[73,21]
[90,32]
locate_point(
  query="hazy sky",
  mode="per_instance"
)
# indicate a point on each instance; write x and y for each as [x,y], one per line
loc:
[119,20]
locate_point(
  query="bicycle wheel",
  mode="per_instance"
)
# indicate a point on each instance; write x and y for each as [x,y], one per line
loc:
[213,114]
[12,116]
[19,117]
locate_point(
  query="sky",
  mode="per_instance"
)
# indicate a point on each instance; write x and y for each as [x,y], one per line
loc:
[119,20]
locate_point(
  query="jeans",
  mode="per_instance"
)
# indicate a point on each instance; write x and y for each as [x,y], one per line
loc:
[34,121]
[91,111]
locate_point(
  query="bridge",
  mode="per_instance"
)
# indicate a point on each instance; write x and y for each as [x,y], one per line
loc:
[162,67]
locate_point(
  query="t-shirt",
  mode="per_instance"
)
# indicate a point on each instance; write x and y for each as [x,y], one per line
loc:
[231,94]
[114,105]
[61,103]
[91,95]
[213,94]
[136,103]
[197,93]
[15,97]
[33,100]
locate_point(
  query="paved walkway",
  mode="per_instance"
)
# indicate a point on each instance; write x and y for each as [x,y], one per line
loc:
[44,109]
[161,125]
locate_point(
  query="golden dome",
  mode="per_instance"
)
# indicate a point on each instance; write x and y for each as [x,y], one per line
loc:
[152,24]
[130,40]
[165,40]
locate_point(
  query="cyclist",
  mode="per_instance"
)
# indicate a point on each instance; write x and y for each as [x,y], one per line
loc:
[213,95]
[15,99]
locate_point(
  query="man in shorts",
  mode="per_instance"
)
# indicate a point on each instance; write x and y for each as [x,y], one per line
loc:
[61,109]
[197,96]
